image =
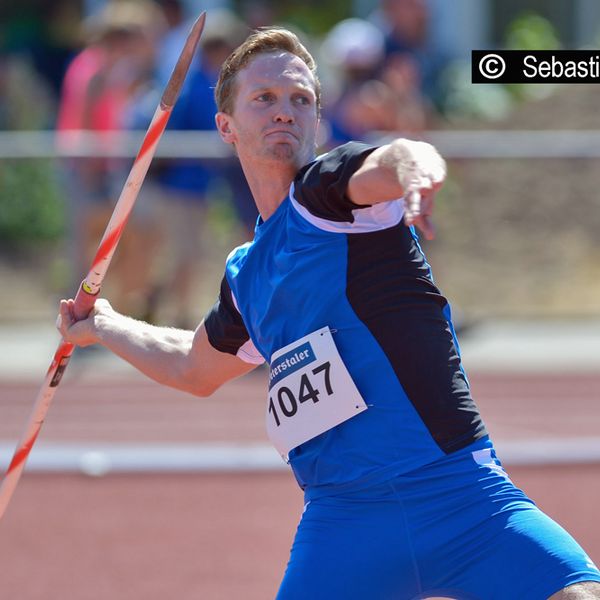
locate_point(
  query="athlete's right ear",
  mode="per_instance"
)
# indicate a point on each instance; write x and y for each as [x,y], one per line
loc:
[223,122]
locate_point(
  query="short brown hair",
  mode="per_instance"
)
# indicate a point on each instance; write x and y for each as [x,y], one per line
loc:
[260,41]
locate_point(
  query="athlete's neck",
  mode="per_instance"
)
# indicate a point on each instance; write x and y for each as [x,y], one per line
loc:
[269,187]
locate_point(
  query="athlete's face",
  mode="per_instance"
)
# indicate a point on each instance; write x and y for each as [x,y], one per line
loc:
[274,116]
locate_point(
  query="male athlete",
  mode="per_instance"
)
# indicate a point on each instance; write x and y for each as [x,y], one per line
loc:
[367,399]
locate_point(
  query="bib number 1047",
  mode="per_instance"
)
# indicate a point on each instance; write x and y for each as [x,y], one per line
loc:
[288,402]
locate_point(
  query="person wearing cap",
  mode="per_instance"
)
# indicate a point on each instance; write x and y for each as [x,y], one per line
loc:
[372,98]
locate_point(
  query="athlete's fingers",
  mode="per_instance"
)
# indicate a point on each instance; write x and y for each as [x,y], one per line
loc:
[418,210]
[66,309]
[419,181]
[71,307]
[413,205]
[437,172]
[78,332]
[64,320]
[433,166]
[418,201]
[425,226]
[427,199]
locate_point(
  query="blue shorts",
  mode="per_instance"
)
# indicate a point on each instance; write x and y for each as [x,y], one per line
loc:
[458,527]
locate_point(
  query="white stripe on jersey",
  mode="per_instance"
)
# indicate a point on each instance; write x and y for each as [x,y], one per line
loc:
[370,218]
[248,353]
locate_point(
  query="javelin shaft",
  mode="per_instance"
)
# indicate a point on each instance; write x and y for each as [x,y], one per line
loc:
[90,287]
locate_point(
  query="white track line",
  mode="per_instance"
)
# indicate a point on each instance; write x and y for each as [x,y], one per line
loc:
[100,459]
[155,458]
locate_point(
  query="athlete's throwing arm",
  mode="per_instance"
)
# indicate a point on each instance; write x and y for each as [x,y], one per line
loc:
[181,359]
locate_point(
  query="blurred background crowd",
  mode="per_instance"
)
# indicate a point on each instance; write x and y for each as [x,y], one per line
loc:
[398,67]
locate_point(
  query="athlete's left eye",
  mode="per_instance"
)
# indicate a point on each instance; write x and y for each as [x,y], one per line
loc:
[301,99]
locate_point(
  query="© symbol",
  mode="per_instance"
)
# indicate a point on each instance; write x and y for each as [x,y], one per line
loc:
[492,66]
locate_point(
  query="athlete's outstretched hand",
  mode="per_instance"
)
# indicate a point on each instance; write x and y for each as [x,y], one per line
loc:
[419,207]
[421,172]
[405,169]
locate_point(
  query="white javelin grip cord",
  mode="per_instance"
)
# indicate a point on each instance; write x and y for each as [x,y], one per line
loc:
[88,291]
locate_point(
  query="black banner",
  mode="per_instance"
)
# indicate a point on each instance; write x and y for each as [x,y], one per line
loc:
[535,66]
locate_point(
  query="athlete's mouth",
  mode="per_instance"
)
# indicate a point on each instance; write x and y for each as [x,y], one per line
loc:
[280,132]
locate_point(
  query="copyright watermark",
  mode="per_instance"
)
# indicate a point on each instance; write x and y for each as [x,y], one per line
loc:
[535,66]
[492,66]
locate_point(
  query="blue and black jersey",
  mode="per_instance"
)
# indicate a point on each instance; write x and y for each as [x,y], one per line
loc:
[322,261]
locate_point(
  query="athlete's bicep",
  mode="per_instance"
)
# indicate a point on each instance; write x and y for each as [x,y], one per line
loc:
[222,348]
[210,368]
[375,180]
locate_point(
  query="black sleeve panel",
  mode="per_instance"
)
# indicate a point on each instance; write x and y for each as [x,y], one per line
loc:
[321,185]
[224,325]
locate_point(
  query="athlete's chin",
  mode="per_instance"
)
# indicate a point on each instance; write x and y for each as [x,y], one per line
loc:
[284,154]
[289,154]
[281,151]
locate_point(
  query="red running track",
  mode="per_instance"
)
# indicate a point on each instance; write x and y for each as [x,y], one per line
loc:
[226,536]
[209,537]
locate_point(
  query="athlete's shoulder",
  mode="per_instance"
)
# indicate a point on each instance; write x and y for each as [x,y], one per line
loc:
[321,185]
[345,152]
[236,258]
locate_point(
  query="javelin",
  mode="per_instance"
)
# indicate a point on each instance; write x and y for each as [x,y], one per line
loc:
[90,287]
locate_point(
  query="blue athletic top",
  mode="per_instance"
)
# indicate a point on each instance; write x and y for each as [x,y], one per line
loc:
[321,260]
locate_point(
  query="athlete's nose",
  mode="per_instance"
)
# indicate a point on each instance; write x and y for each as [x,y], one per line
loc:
[284,112]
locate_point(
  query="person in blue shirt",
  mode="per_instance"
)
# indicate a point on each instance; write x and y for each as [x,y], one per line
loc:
[367,399]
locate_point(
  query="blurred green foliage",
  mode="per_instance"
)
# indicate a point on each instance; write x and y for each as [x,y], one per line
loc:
[315,17]
[531,31]
[31,208]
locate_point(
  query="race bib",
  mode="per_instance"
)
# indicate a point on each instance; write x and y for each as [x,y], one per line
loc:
[310,391]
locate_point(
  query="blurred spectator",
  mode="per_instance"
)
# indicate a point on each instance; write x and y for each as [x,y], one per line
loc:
[98,85]
[182,186]
[405,24]
[172,40]
[373,96]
